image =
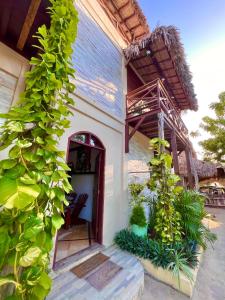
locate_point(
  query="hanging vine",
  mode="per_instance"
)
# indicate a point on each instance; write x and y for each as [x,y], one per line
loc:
[33,179]
[164,183]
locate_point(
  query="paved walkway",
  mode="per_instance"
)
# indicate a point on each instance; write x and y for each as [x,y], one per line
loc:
[128,284]
[210,283]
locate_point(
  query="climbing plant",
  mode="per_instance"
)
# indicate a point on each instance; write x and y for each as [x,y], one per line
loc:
[164,183]
[33,179]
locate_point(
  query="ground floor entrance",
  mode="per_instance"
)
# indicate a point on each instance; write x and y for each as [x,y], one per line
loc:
[84,215]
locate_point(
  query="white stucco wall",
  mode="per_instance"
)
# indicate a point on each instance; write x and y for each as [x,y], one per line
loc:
[110,131]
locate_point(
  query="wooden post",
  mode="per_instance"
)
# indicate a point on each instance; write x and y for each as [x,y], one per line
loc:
[174,152]
[127,137]
[189,170]
[161,125]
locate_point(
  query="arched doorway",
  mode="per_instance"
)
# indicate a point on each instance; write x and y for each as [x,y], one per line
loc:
[84,216]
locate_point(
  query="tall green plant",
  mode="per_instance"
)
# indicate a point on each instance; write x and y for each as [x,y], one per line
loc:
[33,178]
[167,220]
[190,205]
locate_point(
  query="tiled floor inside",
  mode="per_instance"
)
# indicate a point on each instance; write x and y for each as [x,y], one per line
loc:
[72,241]
[128,284]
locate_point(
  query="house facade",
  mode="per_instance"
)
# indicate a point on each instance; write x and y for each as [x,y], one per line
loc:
[129,87]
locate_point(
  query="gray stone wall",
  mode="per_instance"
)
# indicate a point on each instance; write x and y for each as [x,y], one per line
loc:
[98,65]
[138,158]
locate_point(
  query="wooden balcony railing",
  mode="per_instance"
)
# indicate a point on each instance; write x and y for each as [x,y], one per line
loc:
[153,97]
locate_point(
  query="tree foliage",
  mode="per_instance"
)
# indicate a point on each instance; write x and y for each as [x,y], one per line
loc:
[33,179]
[167,220]
[214,146]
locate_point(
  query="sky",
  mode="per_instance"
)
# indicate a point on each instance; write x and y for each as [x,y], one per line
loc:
[202,28]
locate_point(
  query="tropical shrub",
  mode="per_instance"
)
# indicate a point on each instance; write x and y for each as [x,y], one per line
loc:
[135,191]
[176,257]
[138,216]
[33,178]
[190,205]
[164,183]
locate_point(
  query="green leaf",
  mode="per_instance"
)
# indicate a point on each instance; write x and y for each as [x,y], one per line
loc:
[32,227]
[16,195]
[4,246]
[8,279]
[15,126]
[155,162]
[42,30]
[29,156]
[57,221]
[24,144]
[40,140]
[30,257]
[45,281]
[14,152]
[40,292]
[15,172]
[64,166]
[26,179]
[8,163]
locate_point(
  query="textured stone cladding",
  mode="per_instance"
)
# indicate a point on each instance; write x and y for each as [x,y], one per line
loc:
[138,158]
[98,65]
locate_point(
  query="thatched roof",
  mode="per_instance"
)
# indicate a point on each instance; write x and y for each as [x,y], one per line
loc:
[205,170]
[127,17]
[161,55]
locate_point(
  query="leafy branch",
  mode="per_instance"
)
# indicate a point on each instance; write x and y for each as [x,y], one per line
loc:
[33,179]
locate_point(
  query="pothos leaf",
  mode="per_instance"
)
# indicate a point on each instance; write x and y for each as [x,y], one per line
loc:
[7,279]
[57,221]
[14,194]
[30,257]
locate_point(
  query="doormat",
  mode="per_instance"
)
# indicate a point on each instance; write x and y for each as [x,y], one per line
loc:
[89,265]
[103,276]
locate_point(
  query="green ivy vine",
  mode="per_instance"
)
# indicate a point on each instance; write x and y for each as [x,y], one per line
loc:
[167,219]
[33,179]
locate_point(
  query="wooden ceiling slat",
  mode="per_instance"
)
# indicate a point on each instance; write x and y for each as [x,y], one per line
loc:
[33,8]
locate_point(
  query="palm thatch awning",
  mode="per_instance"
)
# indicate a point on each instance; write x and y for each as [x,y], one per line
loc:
[205,170]
[127,17]
[162,56]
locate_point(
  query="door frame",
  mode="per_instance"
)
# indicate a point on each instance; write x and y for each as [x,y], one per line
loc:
[100,201]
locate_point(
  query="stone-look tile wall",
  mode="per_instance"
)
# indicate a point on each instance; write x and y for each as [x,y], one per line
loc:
[138,158]
[98,65]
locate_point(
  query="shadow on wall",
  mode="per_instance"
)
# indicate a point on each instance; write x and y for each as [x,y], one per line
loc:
[98,65]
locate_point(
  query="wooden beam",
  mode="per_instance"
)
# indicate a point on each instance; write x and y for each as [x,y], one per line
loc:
[174,152]
[136,126]
[189,170]
[136,73]
[29,20]
[127,137]
[123,6]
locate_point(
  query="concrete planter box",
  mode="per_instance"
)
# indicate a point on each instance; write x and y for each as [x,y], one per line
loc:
[166,276]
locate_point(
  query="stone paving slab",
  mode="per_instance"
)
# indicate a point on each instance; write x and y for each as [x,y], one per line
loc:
[128,284]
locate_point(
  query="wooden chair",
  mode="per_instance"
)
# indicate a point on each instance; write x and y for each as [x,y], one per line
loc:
[69,209]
